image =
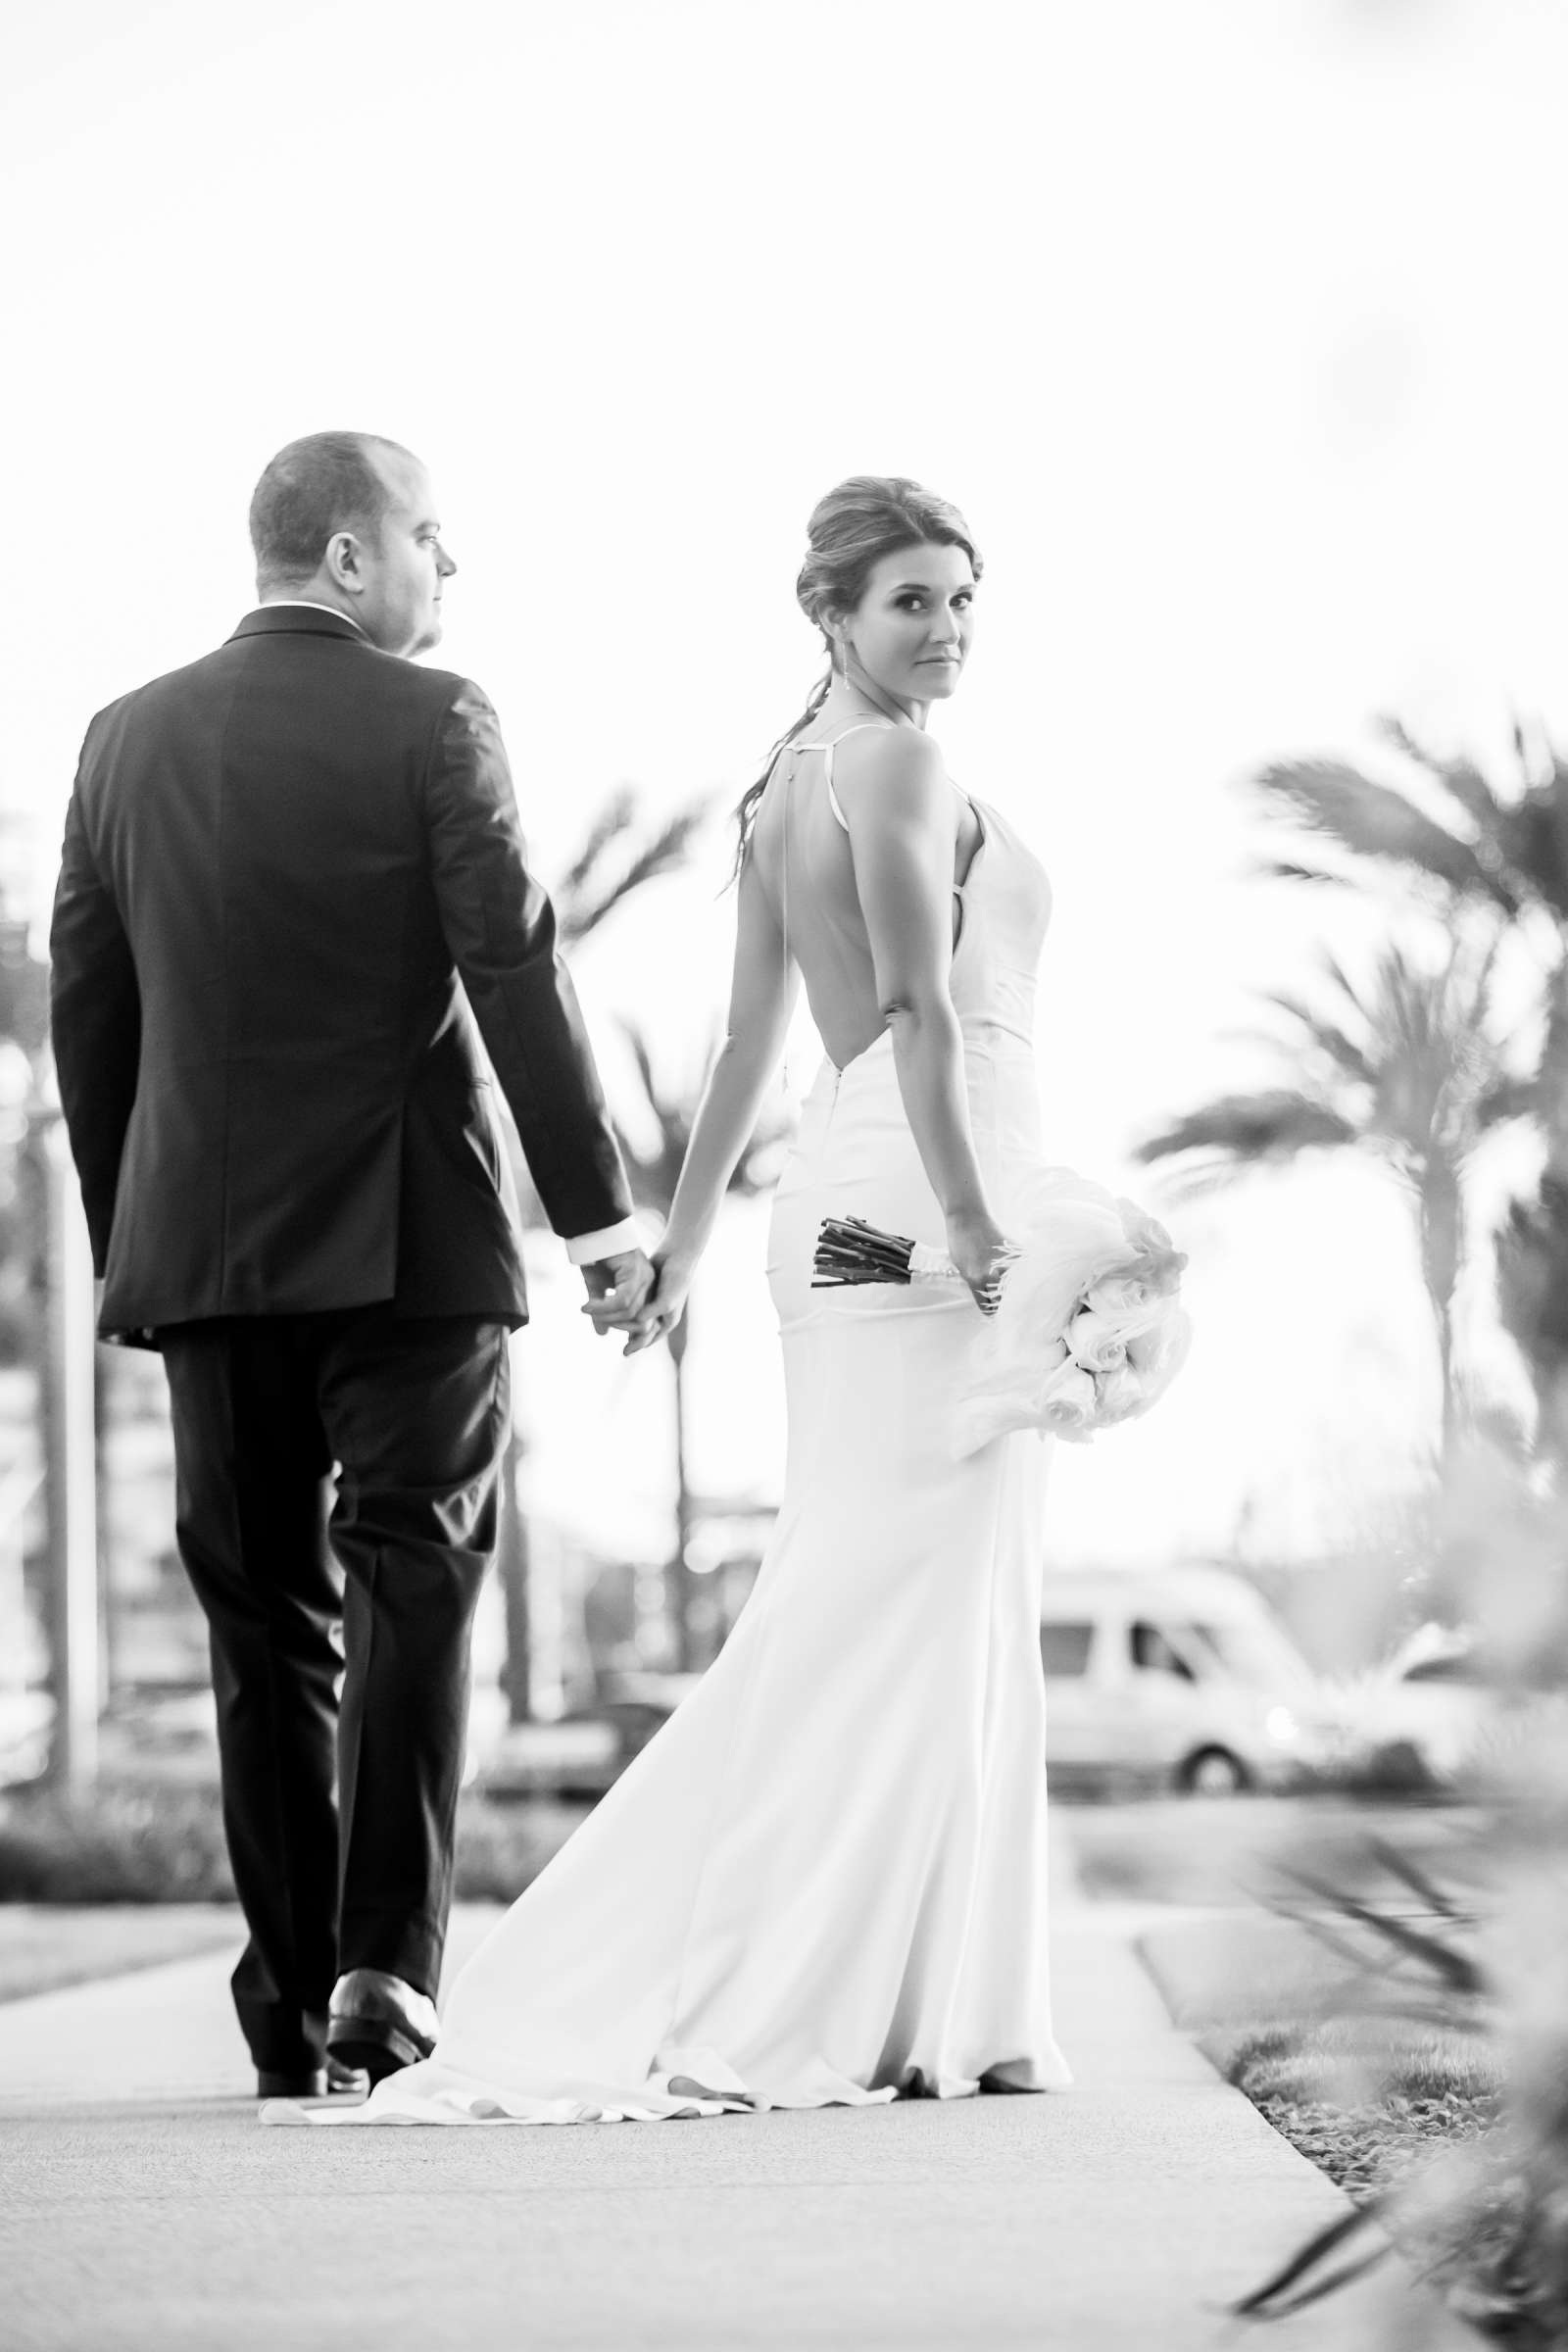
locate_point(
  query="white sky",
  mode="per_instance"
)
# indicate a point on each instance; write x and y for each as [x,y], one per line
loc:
[1236,329]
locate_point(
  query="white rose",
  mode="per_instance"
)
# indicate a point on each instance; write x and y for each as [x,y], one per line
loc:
[1148,1349]
[1117,1294]
[1044,1360]
[1143,1231]
[1122,1395]
[1158,1354]
[1159,1264]
[1095,1342]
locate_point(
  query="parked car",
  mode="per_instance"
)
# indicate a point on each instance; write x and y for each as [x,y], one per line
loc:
[1174,1677]
[1439,1705]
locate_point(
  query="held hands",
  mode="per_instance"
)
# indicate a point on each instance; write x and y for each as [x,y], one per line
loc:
[981,1252]
[618,1290]
[649,1314]
[672,1279]
[643,1300]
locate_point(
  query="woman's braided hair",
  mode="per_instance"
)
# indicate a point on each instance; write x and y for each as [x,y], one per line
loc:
[864,519]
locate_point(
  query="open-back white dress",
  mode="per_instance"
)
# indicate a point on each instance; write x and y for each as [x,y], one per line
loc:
[824,1879]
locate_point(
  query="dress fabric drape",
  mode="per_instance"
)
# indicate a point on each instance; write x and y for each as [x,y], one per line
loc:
[823,1882]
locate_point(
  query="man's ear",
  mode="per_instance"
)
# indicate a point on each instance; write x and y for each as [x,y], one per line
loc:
[344,561]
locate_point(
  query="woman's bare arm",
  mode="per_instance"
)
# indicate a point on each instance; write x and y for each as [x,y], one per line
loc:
[763,988]
[898,802]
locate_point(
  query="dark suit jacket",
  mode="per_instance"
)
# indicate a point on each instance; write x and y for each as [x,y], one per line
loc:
[278,866]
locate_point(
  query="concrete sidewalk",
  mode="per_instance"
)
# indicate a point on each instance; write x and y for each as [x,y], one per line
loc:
[142,2206]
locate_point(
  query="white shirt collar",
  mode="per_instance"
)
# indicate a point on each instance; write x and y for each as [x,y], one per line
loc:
[311,606]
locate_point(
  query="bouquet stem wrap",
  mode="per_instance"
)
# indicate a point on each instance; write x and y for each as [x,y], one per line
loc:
[1090,1329]
[848,1251]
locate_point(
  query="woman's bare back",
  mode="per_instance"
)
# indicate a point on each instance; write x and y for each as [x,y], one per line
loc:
[813,889]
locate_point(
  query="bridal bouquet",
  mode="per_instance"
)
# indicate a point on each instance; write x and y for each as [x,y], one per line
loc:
[1090,1329]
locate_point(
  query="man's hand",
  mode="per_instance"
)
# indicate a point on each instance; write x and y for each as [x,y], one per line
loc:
[617,1290]
[672,1279]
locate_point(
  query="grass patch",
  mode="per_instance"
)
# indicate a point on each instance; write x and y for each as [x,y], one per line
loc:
[1362,2113]
[1467,2210]
[1388,2078]
[1362,2094]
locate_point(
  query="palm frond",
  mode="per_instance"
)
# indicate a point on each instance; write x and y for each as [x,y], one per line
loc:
[1408,1872]
[1506,1098]
[1373,821]
[1454,1970]
[1532,839]
[1327,1035]
[670,1111]
[1406,1063]
[614,817]
[1462,778]
[587,896]
[1521,747]
[1340,978]
[1291,869]
[1273,2300]
[1274,1124]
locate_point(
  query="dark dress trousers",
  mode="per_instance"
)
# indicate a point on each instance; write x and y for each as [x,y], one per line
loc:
[292,882]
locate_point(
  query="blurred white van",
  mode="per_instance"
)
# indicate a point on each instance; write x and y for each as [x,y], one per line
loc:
[1182,1677]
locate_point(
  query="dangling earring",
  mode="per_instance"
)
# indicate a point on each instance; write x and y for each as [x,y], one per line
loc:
[844,650]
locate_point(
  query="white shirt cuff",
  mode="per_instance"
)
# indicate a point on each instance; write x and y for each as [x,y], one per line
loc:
[587,1248]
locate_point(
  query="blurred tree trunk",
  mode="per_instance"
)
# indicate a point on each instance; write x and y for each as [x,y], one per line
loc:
[512,1566]
[1532,1250]
[681,1595]
[1442,1246]
[654,1159]
[103,1415]
[618,856]
[64,1295]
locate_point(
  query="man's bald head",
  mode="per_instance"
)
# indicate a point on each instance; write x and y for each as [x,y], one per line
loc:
[320,484]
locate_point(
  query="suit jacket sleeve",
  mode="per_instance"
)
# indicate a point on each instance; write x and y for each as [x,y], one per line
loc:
[500,928]
[95,1015]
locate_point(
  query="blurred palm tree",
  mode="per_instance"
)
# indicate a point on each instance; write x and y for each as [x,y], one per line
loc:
[1482,855]
[613,864]
[1408,1067]
[618,856]
[1507,853]
[655,1154]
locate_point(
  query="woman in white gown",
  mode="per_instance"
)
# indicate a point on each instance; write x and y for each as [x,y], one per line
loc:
[825,1880]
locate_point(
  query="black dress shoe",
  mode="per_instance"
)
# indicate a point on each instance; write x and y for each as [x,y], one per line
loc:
[379,2022]
[332,2079]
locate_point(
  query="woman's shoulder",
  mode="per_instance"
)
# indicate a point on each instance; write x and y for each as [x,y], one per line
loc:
[903,765]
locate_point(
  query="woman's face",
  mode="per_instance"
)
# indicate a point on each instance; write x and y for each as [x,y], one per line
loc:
[911,628]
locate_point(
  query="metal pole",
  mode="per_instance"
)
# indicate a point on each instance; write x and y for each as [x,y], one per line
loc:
[71,1485]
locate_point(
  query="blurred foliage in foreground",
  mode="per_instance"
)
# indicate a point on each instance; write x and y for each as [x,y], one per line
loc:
[1437,2007]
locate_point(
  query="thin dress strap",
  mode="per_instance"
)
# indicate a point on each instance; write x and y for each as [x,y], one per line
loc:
[827,751]
[792,752]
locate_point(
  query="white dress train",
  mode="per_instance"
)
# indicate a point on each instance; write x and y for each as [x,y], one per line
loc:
[823,1882]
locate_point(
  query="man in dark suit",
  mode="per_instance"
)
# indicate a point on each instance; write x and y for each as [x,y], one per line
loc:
[293,880]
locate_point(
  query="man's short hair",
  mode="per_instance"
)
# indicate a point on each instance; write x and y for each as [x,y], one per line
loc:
[323,483]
